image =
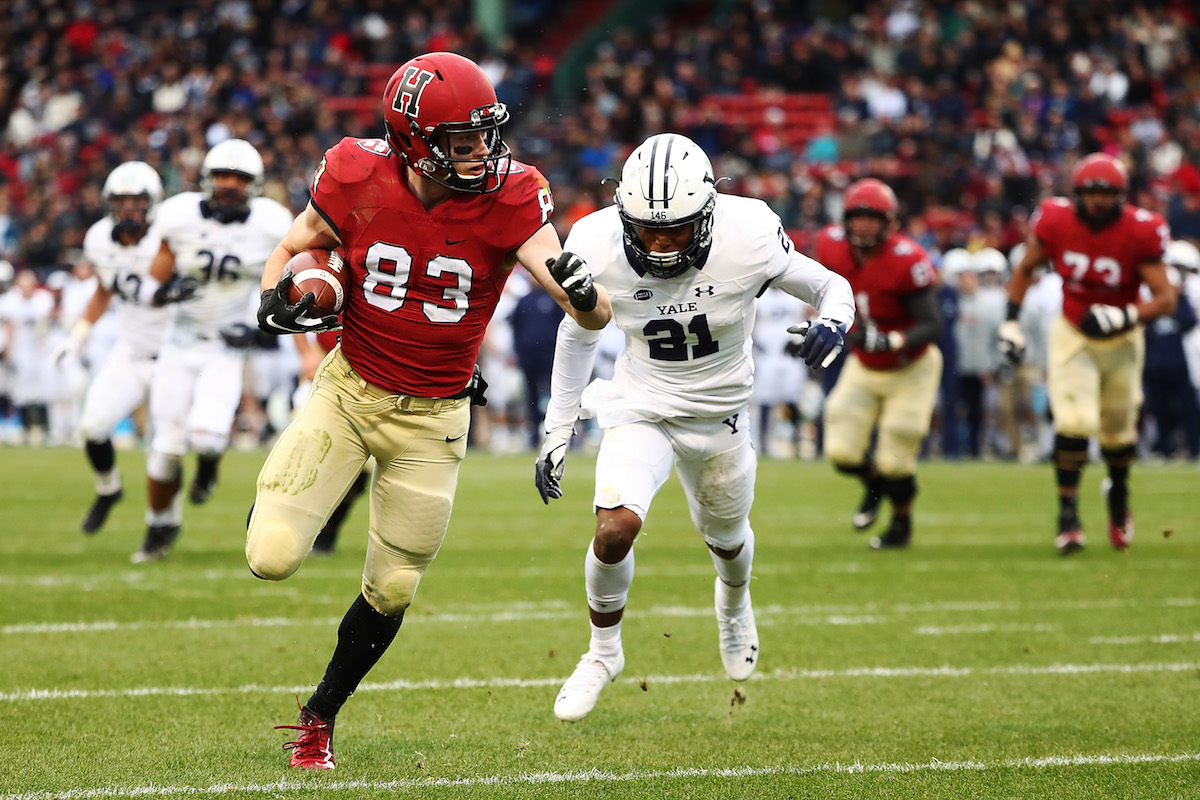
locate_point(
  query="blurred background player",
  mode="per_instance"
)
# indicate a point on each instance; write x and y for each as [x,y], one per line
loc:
[214,244]
[890,379]
[431,222]
[779,377]
[1104,249]
[121,252]
[684,267]
[1170,396]
[27,313]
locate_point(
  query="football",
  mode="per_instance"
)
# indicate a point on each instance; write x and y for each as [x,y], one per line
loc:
[323,273]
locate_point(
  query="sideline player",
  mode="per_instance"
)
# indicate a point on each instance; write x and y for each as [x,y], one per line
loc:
[1104,249]
[431,221]
[684,267]
[891,377]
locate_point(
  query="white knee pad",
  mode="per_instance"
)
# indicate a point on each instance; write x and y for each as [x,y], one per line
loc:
[607,584]
[735,571]
[206,443]
[724,534]
[162,467]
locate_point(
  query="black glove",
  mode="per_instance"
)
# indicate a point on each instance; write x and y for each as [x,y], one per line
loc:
[551,463]
[277,316]
[877,341]
[176,290]
[572,274]
[240,336]
[822,342]
[1102,321]
[478,387]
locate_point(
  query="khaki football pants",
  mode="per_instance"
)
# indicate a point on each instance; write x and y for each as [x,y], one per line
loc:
[418,444]
[1095,385]
[900,401]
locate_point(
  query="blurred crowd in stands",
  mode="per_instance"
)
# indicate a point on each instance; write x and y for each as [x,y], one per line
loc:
[972,111]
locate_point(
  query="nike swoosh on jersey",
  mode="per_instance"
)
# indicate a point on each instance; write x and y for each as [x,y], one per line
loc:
[455,438]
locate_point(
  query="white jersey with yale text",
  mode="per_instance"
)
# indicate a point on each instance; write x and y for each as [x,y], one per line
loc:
[688,339]
[227,258]
[121,269]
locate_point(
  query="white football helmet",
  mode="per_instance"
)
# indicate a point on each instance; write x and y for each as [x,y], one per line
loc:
[1183,255]
[956,260]
[667,182]
[237,156]
[989,259]
[132,179]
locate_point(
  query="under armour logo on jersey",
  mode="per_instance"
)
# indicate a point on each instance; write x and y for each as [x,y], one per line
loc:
[731,422]
[704,290]
[408,94]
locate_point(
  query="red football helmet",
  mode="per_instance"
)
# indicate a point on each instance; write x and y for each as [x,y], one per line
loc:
[869,197]
[434,95]
[1100,173]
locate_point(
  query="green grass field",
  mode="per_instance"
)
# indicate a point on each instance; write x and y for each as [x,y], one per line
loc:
[975,664]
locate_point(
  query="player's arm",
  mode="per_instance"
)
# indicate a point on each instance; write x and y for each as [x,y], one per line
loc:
[1163,296]
[566,278]
[276,314]
[1022,277]
[574,357]
[309,231]
[73,344]
[163,286]
[1011,337]
[830,294]
[928,325]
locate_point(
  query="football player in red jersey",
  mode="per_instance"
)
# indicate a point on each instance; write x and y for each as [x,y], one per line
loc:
[431,221]
[890,378]
[1104,250]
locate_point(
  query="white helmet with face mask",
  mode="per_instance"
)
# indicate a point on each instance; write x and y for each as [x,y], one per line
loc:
[240,158]
[132,179]
[667,182]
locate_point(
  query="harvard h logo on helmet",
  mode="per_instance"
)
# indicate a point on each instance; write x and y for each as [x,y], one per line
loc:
[438,94]
[667,182]
[408,93]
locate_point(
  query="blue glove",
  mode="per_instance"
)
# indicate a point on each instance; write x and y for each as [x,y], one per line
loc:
[823,341]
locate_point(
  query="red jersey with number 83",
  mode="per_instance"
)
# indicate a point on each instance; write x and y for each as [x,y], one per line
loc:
[423,283]
[899,267]
[1098,266]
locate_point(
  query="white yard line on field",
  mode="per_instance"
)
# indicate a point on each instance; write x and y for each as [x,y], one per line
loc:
[152,580]
[945,671]
[956,630]
[300,786]
[813,615]
[1162,638]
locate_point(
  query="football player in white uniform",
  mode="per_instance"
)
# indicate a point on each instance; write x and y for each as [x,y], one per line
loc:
[683,266]
[120,249]
[217,239]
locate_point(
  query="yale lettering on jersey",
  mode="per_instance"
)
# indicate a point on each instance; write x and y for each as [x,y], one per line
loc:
[677,308]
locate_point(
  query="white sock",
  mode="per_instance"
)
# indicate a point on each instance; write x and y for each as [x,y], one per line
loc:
[108,482]
[607,584]
[733,588]
[605,642]
[171,515]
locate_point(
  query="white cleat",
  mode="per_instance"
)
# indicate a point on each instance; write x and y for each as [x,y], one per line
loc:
[579,694]
[739,640]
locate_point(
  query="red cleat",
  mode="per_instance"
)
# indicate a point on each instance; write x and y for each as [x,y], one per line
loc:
[1069,542]
[1119,536]
[313,748]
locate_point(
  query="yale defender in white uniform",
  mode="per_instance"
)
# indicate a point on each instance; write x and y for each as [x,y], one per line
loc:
[217,240]
[683,266]
[120,249]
